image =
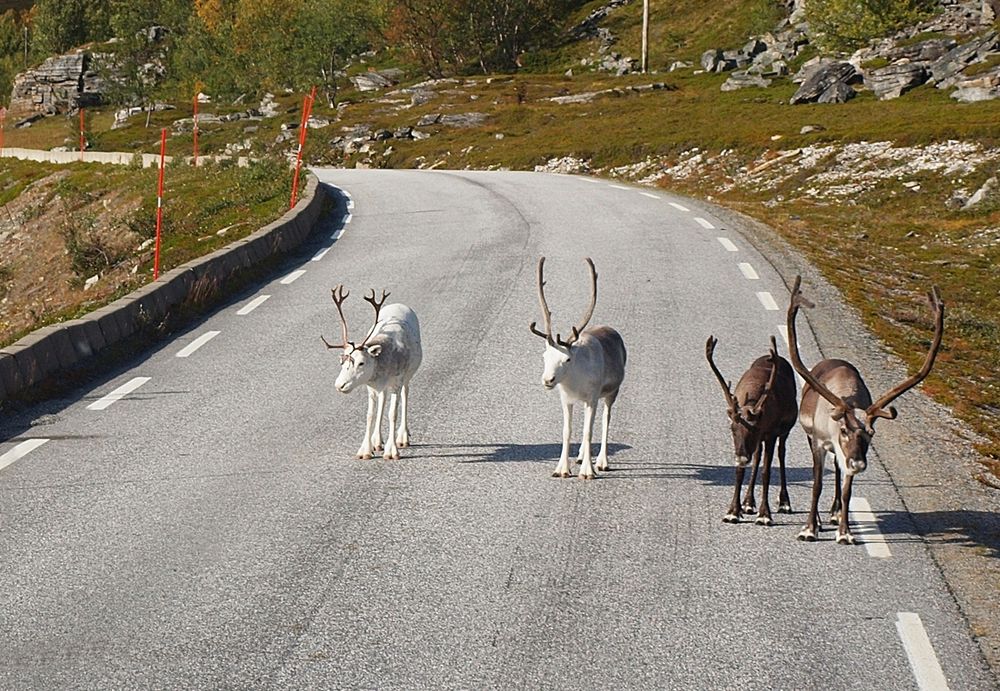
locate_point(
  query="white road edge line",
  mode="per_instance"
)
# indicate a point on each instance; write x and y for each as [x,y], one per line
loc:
[748,271]
[767,300]
[350,204]
[678,206]
[190,348]
[617,187]
[319,255]
[703,223]
[591,181]
[348,218]
[920,652]
[728,244]
[866,526]
[118,394]
[650,195]
[20,451]
[252,305]
[292,277]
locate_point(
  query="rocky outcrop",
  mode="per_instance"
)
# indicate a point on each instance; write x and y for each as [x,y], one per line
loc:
[376,80]
[893,81]
[980,87]
[61,84]
[827,83]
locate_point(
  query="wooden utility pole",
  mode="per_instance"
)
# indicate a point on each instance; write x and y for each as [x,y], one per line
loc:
[645,35]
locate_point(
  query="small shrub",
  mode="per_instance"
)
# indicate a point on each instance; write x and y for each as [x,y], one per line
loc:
[849,24]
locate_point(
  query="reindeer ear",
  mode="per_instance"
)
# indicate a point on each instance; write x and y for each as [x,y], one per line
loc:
[374,350]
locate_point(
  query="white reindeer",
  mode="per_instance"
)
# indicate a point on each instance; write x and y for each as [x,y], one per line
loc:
[385,361]
[587,366]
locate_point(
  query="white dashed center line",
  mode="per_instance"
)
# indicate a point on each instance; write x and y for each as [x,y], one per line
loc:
[319,255]
[703,223]
[650,195]
[20,451]
[920,652]
[292,277]
[118,394]
[768,301]
[748,271]
[618,187]
[866,527]
[190,348]
[252,305]
[678,206]
[728,244]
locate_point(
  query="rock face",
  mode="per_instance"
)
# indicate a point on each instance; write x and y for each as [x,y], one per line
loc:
[829,83]
[375,81]
[61,84]
[894,80]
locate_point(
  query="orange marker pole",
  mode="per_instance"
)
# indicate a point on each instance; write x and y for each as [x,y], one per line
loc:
[196,130]
[159,205]
[303,126]
[81,134]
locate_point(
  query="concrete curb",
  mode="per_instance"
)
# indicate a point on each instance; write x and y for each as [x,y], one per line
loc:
[59,348]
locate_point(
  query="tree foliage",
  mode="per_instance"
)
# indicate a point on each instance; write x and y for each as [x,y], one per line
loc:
[848,24]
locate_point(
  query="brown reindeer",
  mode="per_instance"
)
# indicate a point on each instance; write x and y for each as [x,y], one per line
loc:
[839,417]
[762,413]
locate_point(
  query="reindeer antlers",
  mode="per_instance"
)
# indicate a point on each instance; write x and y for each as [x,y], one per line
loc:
[798,300]
[547,314]
[377,305]
[727,390]
[338,300]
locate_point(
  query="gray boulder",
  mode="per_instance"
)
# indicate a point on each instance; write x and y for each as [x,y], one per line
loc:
[710,59]
[925,51]
[895,80]
[946,70]
[827,84]
[980,87]
[742,79]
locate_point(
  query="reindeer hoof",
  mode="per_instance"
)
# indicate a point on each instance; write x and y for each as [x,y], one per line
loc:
[561,474]
[764,520]
[834,518]
[391,455]
[845,539]
[730,518]
[807,535]
[364,456]
[749,508]
[604,468]
[784,508]
[591,476]
[402,444]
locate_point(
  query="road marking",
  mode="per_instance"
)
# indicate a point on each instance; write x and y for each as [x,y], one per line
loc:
[650,195]
[920,652]
[866,525]
[703,223]
[118,394]
[350,203]
[678,206]
[252,305]
[292,277]
[338,232]
[728,244]
[768,301]
[591,181]
[347,218]
[20,451]
[748,271]
[319,255]
[190,348]
[617,187]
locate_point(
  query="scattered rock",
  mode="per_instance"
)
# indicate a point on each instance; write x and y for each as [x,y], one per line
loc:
[894,80]
[989,188]
[827,84]
[981,87]
[462,120]
[743,79]
[376,80]
[809,129]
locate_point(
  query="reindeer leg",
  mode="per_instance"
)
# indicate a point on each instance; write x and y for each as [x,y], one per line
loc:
[366,446]
[377,432]
[602,457]
[403,433]
[835,507]
[587,469]
[808,533]
[784,503]
[734,514]
[844,536]
[749,504]
[562,470]
[764,515]
[391,452]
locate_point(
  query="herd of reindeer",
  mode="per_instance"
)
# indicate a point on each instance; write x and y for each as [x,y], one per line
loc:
[836,409]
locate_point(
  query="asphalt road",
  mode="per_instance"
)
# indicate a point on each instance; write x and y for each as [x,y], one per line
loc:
[212,528]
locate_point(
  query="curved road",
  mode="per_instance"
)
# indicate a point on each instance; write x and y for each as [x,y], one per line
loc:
[211,528]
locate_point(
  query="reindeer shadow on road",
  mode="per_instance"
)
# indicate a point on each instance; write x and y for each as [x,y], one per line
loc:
[977,530]
[506,453]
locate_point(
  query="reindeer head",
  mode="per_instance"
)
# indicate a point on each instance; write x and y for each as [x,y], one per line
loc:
[743,419]
[558,354]
[856,426]
[356,361]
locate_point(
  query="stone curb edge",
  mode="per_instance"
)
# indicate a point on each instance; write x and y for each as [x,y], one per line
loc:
[59,348]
